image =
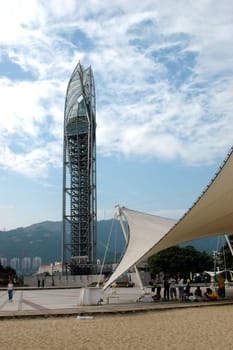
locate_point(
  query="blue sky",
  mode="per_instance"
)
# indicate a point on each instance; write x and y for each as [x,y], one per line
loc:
[163,76]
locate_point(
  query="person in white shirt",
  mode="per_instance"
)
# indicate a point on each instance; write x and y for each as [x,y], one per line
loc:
[172,283]
[10,291]
[181,289]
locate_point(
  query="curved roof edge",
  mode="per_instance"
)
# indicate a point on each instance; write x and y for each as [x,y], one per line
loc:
[211,214]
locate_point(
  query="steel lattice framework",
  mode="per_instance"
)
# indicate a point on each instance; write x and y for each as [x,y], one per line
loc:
[79,173]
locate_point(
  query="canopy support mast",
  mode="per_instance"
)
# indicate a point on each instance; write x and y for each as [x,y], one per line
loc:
[118,214]
[229,243]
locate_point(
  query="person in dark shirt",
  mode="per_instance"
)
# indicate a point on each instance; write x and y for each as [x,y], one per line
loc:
[198,293]
[166,290]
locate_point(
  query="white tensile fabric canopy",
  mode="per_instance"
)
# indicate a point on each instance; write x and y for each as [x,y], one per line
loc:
[210,215]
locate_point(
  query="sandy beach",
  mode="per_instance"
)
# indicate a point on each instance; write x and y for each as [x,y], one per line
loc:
[191,328]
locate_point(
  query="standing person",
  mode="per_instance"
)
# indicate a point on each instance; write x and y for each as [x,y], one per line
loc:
[187,289]
[10,291]
[221,286]
[198,293]
[166,289]
[181,289]
[152,286]
[158,288]
[158,285]
[172,283]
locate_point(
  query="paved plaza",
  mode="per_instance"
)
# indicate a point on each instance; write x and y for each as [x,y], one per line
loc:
[38,300]
[53,301]
[60,302]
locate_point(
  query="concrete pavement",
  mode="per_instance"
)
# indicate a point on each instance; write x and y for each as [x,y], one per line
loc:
[61,302]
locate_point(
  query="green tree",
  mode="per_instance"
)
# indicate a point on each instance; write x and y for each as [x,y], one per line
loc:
[6,273]
[10,271]
[182,260]
[1,267]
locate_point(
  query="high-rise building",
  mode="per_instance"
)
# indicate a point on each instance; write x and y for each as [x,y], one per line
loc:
[36,262]
[79,174]
[26,263]
[3,261]
[15,263]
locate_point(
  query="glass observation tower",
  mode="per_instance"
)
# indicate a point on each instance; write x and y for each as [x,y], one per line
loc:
[79,174]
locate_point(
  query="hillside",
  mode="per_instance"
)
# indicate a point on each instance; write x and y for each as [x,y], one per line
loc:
[44,240]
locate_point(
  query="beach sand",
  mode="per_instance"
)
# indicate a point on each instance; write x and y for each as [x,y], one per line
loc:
[190,328]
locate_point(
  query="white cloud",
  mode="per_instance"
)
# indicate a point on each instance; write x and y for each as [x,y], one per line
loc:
[30,129]
[163,73]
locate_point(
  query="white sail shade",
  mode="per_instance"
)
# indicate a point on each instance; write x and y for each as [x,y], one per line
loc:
[210,215]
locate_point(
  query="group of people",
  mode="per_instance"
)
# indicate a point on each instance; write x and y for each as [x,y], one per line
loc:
[38,283]
[170,286]
[170,289]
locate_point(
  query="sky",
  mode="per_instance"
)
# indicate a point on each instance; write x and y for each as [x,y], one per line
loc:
[163,75]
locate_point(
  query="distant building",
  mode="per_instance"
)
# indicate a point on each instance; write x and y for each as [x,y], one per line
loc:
[3,261]
[57,267]
[36,262]
[26,264]
[45,268]
[50,268]
[15,263]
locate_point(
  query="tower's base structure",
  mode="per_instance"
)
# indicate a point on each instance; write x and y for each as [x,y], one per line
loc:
[79,175]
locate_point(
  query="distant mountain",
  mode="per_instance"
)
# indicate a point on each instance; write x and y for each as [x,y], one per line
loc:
[207,244]
[44,240]
[109,233]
